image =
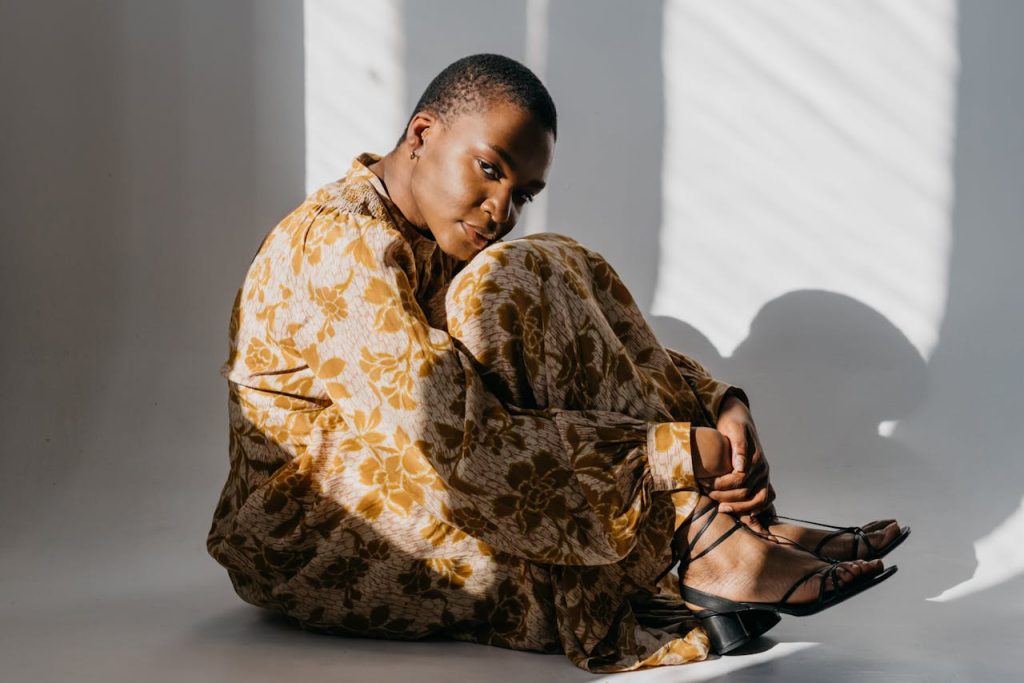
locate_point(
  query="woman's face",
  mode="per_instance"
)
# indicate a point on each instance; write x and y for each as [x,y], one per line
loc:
[474,176]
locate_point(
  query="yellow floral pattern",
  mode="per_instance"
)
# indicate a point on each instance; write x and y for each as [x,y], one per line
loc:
[496,451]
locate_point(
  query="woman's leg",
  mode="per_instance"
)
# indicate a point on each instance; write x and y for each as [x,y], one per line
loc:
[551,325]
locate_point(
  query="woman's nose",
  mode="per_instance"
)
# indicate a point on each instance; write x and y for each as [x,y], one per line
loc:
[499,206]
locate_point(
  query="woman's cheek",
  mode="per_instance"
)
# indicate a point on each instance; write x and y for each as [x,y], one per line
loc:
[465,188]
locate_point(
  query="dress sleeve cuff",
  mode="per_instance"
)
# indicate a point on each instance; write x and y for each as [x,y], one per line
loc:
[668,455]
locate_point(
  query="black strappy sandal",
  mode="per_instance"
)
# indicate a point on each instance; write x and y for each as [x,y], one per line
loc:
[731,624]
[858,533]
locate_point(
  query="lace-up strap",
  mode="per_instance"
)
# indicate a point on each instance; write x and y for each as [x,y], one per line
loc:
[859,535]
[713,508]
[830,572]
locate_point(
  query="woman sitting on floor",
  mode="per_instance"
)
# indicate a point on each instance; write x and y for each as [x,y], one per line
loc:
[437,432]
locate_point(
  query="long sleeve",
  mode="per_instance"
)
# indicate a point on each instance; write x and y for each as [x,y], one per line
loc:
[557,486]
[709,390]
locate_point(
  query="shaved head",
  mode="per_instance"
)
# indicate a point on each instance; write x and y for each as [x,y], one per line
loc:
[472,84]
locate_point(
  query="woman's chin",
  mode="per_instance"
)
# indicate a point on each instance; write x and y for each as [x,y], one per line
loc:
[460,251]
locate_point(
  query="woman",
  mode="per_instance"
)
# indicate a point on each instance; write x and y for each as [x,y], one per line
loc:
[436,432]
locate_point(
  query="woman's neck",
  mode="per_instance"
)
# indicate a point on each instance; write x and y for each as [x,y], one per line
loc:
[395,170]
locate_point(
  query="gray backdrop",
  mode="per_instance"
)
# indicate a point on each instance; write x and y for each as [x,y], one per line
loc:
[145,149]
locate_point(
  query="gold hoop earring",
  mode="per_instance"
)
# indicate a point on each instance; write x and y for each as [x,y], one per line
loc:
[412,154]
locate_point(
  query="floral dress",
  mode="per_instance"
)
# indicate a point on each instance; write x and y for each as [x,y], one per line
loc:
[494,451]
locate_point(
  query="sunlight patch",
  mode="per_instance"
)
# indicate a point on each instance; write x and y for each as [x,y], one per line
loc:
[713,669]
[355,83]
[1000,557]
[797,159]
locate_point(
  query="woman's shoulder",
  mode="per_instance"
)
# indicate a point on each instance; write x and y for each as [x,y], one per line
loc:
[355,194]
[344,210]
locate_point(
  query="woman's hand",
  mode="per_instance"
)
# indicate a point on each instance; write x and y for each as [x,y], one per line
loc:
[746,490]
[711,454]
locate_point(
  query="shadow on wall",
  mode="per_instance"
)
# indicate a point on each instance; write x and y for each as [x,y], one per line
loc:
[606,77]
[823,370]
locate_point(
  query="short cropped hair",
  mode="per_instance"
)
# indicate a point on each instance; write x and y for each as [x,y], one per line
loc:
[471,84]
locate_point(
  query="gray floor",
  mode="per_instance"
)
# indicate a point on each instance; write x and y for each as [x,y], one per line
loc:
[160,611]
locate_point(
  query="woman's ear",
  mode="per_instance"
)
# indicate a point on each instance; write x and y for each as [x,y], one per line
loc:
[419,129]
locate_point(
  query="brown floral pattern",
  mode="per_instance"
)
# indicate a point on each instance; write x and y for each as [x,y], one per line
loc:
[538,486]
[496,451]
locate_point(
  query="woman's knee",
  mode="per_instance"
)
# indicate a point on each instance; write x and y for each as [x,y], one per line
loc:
[538,254]
[526,263]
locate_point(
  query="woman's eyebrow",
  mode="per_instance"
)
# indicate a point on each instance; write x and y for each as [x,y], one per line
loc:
[507,158]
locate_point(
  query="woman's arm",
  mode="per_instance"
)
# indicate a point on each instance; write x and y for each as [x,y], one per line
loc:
[746,489]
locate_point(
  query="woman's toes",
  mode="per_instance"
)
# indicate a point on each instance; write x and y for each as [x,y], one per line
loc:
[852,571]
[877,534]
[882,533]
[879,525]
[868,567]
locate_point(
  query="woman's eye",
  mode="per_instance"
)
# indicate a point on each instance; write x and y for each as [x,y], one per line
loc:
[525,197]
[489,170]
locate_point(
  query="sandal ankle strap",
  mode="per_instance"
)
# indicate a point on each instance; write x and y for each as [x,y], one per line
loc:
[713,508]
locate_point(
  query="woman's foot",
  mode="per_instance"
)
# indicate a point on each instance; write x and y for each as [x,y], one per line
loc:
[746,567]
[711,454]
[832,543]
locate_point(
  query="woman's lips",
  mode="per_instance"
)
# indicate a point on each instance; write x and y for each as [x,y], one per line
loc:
[475,237]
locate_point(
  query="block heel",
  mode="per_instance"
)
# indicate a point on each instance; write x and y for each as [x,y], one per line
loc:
[730,631]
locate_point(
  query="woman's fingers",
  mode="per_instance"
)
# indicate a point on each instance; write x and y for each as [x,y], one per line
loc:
[747,489]
[752,506]
[726,483]
[736,496]
[743,491]
[737,438]
[755,477]
[737,435]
